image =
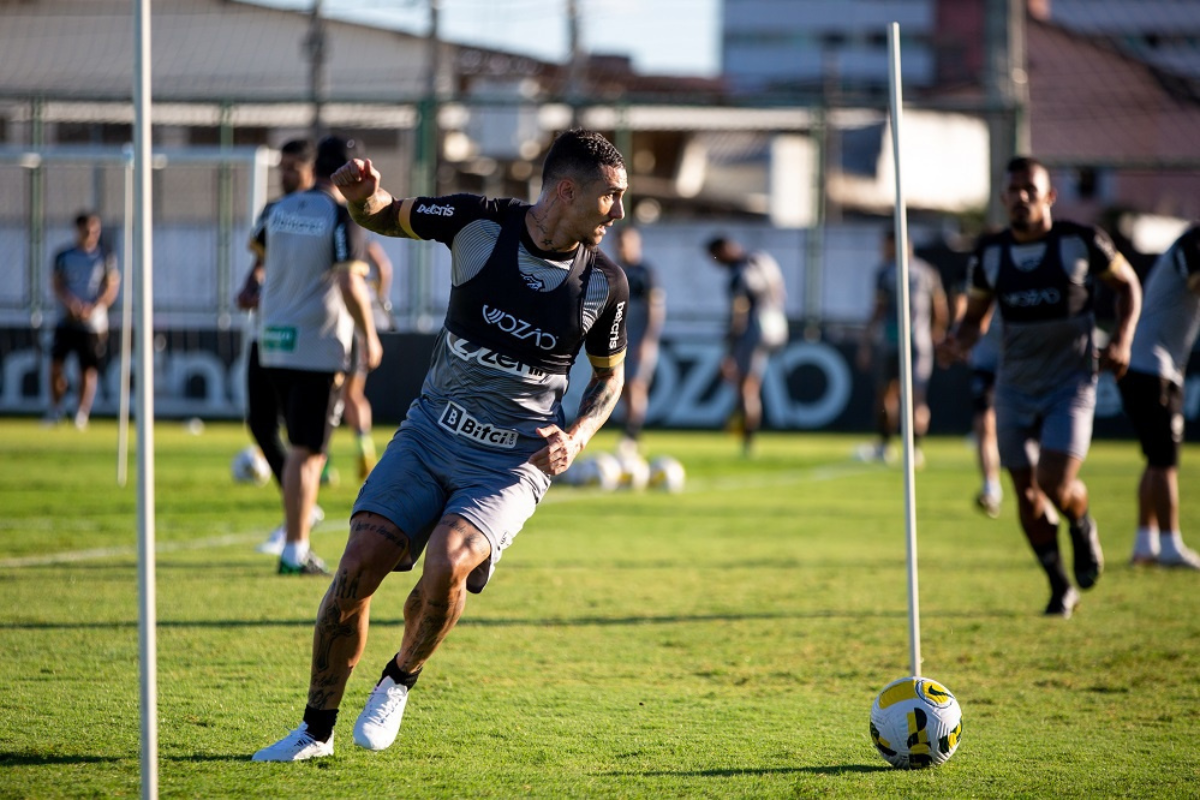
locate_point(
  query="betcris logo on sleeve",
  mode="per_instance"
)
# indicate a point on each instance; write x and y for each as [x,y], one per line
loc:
[434,210]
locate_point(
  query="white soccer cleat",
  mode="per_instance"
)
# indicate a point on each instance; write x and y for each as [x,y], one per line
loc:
[273,546]
[379,723]
[296,746]
[1182,556]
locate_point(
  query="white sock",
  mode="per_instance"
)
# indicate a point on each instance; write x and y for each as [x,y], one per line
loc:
[1146,543]
[991,488]
[294,553]
[1170,543]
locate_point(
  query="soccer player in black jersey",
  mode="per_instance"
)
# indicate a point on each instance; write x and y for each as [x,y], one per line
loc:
[477,450]
[1041,275]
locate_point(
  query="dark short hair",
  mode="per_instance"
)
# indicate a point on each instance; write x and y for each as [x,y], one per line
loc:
[1024,164]
[300,148]
[717,243]
[579,153]
[332,153]
[83,216]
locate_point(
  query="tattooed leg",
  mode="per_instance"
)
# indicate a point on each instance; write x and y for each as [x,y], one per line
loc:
[436,603]
[375,546]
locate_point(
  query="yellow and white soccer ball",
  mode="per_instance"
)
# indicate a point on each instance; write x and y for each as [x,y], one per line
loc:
[250,466]
[916,722]
[601,471]
[667,474]
[635,471]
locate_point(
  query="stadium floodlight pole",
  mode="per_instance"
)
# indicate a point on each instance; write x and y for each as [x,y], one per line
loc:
[126,325]
[143,264]
[906,404]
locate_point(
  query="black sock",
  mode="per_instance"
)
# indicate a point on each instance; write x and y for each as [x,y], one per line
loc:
[398,675]
[320,722]
[1051,560]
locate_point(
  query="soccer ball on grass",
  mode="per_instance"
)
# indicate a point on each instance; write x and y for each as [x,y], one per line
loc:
[916,722]
[250,466]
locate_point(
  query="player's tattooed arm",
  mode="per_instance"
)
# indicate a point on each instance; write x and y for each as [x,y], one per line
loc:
[382,214]
[599,399]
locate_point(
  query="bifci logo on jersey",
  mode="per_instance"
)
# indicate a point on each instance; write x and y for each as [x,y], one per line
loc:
[456,420]
[518,328]
[1030,298]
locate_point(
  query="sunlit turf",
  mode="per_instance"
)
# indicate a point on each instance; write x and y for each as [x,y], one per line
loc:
[723,642]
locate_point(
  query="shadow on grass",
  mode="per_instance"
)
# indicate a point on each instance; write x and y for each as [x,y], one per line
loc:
[10,759]
[830,771]
[516,622]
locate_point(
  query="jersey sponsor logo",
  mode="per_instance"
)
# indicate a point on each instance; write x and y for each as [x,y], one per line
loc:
[1031,298]
[456,420]
[519,328]
[534,282]
[433,209]
[278,339]
[283,222]
[614,333]
[484,356]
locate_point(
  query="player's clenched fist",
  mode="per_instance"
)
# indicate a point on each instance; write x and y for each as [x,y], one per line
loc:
[357,180]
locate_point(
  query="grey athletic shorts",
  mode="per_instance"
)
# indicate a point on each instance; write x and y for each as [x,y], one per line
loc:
[1059,420]
[428,472]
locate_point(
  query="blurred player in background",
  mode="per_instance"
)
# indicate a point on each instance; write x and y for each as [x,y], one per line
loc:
[983,361]
[757,327]
[358,408]
[1041,275]
[928,318]
[313,300]
[86,283]
[263,413]
[477,450]
[1152,391]
[644,319]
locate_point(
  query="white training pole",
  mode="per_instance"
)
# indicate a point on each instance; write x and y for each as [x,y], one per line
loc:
[906,409]
[126,328]
[143,261]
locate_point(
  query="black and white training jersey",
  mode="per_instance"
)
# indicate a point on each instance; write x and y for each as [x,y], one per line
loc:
[305,238]
[1170,318]
[1043,292]
[517,318]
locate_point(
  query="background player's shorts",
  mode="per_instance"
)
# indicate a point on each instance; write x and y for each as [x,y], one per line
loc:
[638,368]
[983,390]
[887,368]
[307,401]
[88,346]
[1155,407]
[750,355]
[1059,421]
[427,472]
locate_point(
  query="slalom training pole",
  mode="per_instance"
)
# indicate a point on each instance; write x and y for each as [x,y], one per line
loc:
[905,346]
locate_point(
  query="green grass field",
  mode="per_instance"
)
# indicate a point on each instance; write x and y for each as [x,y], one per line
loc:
[726,642]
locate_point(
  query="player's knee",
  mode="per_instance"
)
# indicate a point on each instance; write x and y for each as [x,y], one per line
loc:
[449,562]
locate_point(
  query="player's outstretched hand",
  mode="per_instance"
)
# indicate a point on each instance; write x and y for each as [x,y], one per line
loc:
[560,450]
[357,180]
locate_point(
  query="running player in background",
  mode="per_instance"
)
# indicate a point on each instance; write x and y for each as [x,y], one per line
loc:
[1152,391]
[358,413]
[644,321]
[1041,275]
[983,361]
[477,450]
[757,327]
[928,318]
